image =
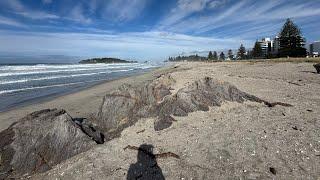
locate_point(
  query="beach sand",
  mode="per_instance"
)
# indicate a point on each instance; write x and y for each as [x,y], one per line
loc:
[235,141]
[80,104]
[238,141]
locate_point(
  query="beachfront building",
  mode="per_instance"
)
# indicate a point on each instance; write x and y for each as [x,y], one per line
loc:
[276,45]
[315,49]
[270,46]
[266,45]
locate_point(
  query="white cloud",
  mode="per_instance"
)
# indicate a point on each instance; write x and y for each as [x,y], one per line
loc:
[265,13]
[16,7]
[77,14]
[186,8]
[217,3]
[124,10]
[46,1]
[10,22]
[193,21]
[37,15]
[93,5]
[192,5]
[139,45]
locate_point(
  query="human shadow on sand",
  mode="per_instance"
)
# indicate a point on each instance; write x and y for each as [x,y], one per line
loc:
[146,166]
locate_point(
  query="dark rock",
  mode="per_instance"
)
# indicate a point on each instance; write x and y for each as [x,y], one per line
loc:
[162,123]
[96,135]
[122,108]
[125,106]
[89,130]
[317,66]
[200,95]
[273,104]
[39,141]
[273,170]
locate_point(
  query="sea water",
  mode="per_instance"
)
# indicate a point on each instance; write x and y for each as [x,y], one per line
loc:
[23,84]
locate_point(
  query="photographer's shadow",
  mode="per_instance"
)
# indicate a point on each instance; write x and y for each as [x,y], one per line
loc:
[146,166]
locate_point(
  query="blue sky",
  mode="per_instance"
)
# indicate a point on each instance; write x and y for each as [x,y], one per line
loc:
[145,29]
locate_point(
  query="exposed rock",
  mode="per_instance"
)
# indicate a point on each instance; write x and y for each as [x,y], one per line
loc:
[163,123]
[89,130]
[200,95]
[273,170]
[39,141]
[317,66]
[125,106]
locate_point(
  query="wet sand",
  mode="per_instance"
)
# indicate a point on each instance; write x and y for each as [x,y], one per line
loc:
[80,104]
[235,141]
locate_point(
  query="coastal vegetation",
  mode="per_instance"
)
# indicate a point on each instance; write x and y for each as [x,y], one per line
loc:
[189,58]
[105,60]
[290,43]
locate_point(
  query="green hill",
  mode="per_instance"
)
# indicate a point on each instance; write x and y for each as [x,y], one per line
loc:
[105,61]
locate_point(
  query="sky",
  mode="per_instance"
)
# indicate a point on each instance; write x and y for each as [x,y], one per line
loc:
[143,29]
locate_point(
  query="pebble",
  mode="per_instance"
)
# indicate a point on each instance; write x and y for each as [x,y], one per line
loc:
[273,170]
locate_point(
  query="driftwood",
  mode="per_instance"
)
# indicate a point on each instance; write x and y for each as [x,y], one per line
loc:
[317,66]
[150,154]
[143,130]
[277,103]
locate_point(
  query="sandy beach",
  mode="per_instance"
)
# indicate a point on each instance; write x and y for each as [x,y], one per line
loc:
[246,140]
[79,104]
[159,90]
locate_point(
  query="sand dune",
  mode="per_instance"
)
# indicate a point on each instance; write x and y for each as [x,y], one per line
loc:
[248,140]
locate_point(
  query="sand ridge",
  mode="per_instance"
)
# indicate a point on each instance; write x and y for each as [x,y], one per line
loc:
[246,141]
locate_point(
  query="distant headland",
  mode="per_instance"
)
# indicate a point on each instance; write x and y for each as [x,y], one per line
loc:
[105,61]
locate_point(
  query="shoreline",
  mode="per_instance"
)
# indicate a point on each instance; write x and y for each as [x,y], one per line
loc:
[179,111]
[239,135]
[60,94]
[73,101]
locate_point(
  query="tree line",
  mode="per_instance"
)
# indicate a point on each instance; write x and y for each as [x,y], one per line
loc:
[291,44]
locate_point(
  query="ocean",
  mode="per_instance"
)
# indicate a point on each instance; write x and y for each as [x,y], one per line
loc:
[23,84]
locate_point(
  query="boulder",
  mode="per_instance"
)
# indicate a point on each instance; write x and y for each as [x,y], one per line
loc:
[89,130]
[125,106]
[317,66]
[201,95]
[38,142]
[162,123]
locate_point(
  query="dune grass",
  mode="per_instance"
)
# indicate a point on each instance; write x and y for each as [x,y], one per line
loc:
[277,60]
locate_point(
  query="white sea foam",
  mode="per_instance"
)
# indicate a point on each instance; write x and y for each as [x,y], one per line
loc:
[14,76]
[43,87]
[31,71]
[60,77]
[71,66]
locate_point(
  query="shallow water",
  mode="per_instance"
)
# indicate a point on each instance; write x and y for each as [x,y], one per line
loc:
[21,84]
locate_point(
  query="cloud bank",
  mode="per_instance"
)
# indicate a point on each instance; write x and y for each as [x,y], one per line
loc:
[146,29]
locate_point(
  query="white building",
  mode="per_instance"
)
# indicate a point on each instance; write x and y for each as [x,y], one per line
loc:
[267,46]
[315,48]
[270,47]
[276,45]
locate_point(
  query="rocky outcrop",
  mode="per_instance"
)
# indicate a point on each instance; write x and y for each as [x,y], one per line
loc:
[317,66]
[200,95]
[89,130]
[39,141]
[125,106]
